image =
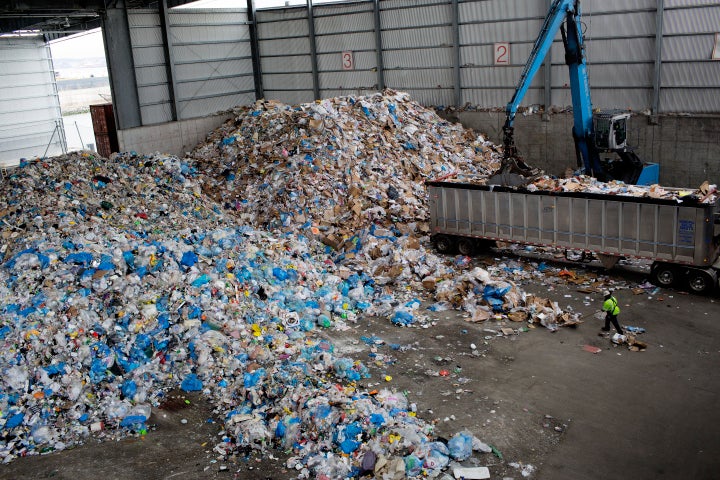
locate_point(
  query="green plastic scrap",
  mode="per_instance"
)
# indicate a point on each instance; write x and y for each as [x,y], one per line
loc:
[496,452]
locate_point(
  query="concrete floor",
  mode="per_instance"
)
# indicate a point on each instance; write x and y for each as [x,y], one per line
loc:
[538,397]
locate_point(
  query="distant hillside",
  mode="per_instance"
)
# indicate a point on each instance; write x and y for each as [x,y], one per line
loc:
[75,68]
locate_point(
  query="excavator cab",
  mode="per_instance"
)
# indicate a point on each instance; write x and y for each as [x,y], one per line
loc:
[610,127]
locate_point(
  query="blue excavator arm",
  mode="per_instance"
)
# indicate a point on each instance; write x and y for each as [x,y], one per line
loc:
[567,12]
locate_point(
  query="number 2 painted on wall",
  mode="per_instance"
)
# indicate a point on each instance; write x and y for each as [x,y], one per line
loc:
[502,53]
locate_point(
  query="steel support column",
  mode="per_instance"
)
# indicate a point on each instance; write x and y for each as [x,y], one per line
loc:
[657,80]
[456,52]
[121,66]
[313,50]
[255,50]
[379,48]
[169,58]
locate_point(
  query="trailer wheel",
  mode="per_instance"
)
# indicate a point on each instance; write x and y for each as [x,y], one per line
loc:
[663,275]
[700,282]
[444,244]
[466,247]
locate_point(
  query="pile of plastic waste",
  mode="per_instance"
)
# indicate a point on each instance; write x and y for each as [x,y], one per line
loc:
[121,280]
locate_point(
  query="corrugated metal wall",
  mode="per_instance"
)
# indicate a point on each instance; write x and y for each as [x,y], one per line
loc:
[418,52]
[212,65]
[621,51]
[285,58]
[690,80]
[346,28]
[484,23]
[211,61]
[620,48]
[30,118]
[150,68]
[418,47]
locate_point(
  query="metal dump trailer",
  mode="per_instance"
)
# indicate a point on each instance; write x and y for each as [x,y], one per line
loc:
[679,237]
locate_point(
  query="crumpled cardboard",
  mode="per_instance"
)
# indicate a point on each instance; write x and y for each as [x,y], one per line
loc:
[392,468]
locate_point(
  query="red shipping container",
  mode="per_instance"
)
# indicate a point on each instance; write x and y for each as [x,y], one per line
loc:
[103,120]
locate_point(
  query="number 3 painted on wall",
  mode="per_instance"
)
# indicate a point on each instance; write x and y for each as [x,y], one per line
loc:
[347,60]
[502,53]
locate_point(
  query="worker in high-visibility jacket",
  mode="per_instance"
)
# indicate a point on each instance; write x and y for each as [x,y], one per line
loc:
[611,309]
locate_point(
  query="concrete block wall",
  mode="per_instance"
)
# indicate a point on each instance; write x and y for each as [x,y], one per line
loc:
[173,137]
[686,147]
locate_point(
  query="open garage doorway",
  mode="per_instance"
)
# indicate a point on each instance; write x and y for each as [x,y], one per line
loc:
[82,80]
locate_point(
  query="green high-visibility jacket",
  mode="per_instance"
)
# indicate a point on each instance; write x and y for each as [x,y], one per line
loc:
[611,306]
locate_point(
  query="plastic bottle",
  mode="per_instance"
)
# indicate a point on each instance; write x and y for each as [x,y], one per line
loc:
[324,320]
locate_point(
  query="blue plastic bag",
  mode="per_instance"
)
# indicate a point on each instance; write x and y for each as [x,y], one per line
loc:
[402,317]
[460,446]
[191,383]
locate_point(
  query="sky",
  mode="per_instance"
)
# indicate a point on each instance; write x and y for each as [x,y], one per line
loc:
[83,45]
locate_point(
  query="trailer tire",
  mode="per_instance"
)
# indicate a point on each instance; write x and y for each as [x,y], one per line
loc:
[700,282]
[663,275]
[444,244]
[466,246]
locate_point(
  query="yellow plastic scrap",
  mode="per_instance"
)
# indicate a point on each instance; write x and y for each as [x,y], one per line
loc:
[31,333]
[257,331]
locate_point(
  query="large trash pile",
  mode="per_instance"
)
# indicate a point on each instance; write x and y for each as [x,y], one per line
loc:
[350,172]
[339,165]
[122,279]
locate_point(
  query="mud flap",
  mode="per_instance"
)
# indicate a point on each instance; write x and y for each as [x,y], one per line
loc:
[608,261]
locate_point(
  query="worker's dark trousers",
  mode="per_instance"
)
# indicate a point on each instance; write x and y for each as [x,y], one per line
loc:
[612,318]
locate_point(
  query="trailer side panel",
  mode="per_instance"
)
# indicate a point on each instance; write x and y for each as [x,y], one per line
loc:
[627,226]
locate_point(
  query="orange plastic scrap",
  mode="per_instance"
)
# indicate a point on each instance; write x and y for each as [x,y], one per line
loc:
[567,273]
[591,349]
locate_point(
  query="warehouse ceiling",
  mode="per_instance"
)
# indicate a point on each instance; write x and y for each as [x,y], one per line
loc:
[56,19]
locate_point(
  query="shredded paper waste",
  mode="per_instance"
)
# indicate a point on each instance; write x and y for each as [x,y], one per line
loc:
[125,278]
